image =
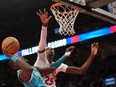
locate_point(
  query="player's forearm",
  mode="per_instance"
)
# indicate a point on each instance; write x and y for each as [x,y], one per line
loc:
[21,63]
[87,64]
[43,37]
[45,70]
[56,64]
[43,33]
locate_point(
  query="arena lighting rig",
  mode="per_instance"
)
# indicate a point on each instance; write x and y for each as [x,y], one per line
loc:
[66,41]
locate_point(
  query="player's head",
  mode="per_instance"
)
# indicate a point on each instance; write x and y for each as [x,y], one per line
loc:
[50,53]
[13,65]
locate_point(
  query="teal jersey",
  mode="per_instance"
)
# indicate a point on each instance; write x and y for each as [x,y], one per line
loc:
[35,80]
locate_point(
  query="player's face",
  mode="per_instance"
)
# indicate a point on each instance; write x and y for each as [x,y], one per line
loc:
[50,53]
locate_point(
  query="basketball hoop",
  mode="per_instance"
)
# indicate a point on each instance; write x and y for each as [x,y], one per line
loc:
[65,16]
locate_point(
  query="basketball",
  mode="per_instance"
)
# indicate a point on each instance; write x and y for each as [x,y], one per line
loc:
[10,45]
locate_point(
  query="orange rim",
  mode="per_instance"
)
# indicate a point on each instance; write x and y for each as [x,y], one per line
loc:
[74,11]
[56,4]
[59,4]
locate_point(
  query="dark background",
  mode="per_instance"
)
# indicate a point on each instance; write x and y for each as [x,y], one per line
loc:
[18,18]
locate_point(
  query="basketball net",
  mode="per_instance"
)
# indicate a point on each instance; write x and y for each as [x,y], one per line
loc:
[65,16]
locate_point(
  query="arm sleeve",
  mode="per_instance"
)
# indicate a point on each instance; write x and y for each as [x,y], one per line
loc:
[56,64]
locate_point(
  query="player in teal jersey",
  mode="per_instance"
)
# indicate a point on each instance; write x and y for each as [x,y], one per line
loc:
[29,75]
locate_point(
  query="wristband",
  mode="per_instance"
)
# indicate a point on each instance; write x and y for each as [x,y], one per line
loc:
[41,51]
[14,58]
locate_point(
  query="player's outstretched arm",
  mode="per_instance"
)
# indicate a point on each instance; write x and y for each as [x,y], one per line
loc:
[44,17]
[20,63]
[86,65]
[68,52]
[57,63]
[54,66]
[43,38]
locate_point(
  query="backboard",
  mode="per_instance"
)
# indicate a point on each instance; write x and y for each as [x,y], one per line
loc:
[92,7]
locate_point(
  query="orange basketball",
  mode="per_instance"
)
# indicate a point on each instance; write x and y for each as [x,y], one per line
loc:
[11,45]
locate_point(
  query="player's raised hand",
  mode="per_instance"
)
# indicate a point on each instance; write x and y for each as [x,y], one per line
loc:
[44,17]
[94,48]
[69,50]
